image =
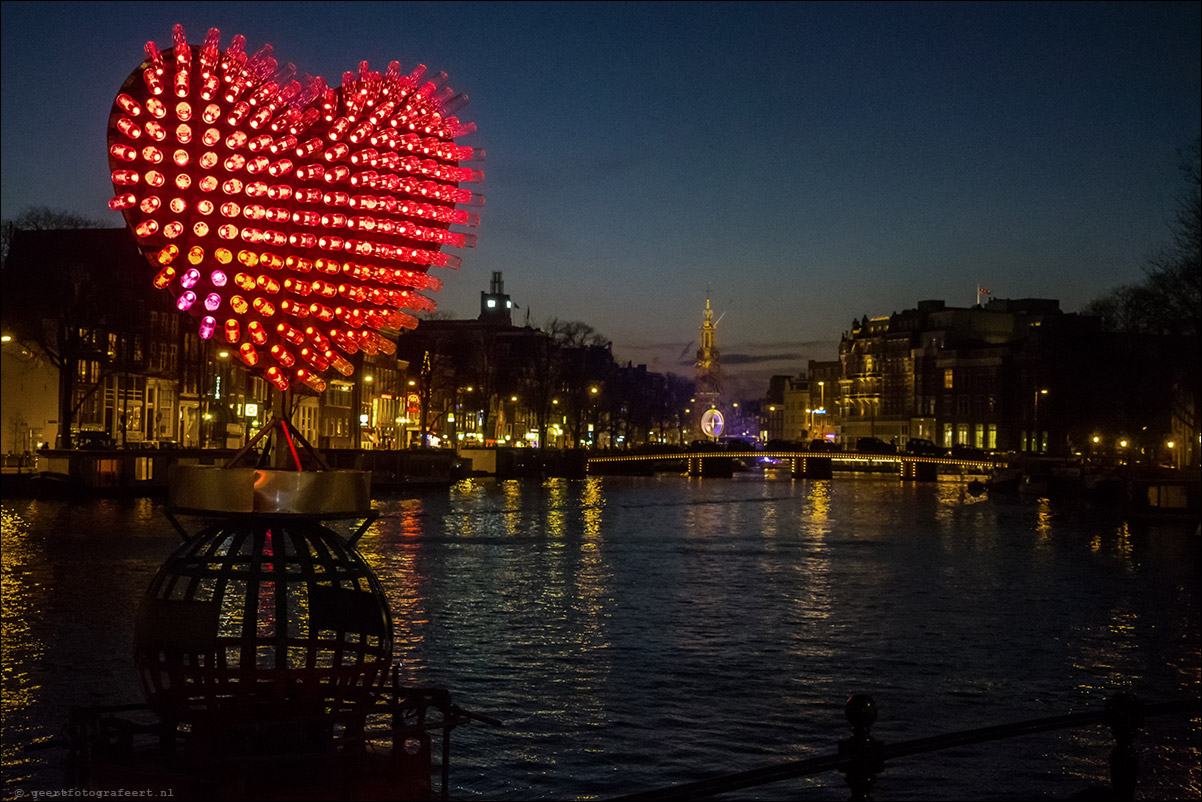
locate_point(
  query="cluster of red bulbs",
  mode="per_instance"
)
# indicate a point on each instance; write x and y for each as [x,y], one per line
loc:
[296,221]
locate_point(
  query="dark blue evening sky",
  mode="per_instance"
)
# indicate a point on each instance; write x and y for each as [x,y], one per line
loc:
[809,163]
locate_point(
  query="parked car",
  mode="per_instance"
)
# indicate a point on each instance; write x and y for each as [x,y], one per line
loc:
[822,444]
[874,445]
[920,447]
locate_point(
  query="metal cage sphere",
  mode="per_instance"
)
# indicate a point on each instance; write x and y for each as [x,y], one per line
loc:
[258,617]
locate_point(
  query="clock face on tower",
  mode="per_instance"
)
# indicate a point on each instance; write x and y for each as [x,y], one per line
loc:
[712,423]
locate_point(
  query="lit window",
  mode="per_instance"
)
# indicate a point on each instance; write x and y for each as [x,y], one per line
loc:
[947,379]
[491,303]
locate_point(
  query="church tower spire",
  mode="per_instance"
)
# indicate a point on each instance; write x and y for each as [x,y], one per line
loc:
[708,387]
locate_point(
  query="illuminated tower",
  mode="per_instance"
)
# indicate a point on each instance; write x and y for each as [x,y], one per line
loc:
[708,391]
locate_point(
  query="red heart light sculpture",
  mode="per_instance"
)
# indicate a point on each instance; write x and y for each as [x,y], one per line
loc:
[294,220]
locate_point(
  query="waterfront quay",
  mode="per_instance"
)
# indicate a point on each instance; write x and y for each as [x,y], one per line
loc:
[635,633]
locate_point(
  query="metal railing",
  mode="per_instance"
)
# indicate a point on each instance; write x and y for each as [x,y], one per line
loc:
[861,757]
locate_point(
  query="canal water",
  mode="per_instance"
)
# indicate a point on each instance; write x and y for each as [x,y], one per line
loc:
[634,632]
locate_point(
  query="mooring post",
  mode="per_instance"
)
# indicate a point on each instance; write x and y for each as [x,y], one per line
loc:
[863,754]
[1124,716]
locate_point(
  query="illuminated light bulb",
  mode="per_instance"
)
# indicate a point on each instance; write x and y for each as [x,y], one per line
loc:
[183,181]
[263,306]
[339,363]
[152,154]
[290,333]
[236,116]
[253,211]
[267,283]
[189,278]
[314,382]
[224,255]
[185,300]
[155,179]
[318,339]
[128,105]
[150,204]
[239,304]
[125,178]
[173,229]
[281,167]
[124,152]
[228,231]
[208,326]
[260,142]
[119,202]
[208,88]
[167,255]
[177,205]
[248,258]
[256,189]
[365,156]
[230,209]
[279,192]
[336,152]
[309,146]
[310,172]
[277,378]
[153,82]
[321,312]
[258,334]
[235,162]
[164,277]
[244,281]
[248,354]
[210,115]
[183,134]
[384,344]
[325,265]
[218,278]
[311,195]
[339,173]
[338,129]
[183,111]
[200,229]
[315,358]
[156,107]
[208,184]
[233,332]
[236,140]
[261,118]
[275,214]
[232,187]
[281,354]
[129,128]
[337,199]
[212,301]
[346,343]
[208,160]
[146,228]
[210,137]
[155,131]
[196,254]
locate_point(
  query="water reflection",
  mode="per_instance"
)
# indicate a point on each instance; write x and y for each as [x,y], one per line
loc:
[634,632]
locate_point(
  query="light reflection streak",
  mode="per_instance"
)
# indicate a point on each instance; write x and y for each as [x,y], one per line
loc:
[23,589]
